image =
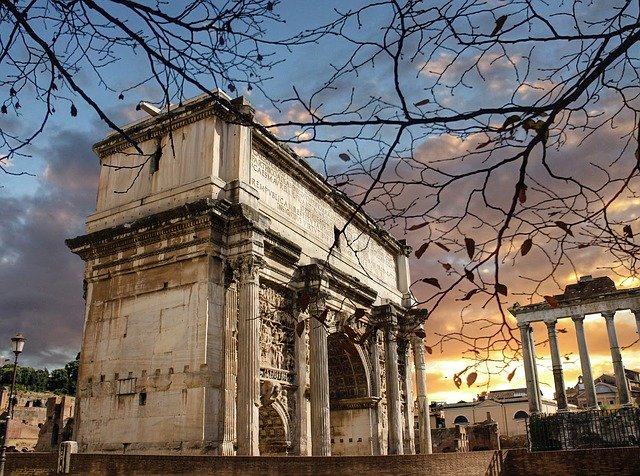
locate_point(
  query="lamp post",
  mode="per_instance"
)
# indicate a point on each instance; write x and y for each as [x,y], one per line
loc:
[17,344]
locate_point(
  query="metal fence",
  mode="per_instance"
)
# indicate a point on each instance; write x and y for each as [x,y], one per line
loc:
[585,429]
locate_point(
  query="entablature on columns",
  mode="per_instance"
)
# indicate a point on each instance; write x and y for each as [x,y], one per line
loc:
[198,225]
[406,320]
[281,250]
[323,277]
[598,304]
[246,219]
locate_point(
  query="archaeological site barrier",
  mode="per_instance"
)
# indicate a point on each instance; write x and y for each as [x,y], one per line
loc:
[588,429]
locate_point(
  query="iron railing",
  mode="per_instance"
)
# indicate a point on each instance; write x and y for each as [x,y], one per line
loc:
[584,429]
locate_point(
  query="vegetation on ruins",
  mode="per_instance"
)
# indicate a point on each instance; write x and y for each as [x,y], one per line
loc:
[500,137]
[61,380]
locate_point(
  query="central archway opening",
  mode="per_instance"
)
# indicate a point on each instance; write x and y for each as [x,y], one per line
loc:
[352,408]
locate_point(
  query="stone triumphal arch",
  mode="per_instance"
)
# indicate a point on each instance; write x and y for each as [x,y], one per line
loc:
[237,303]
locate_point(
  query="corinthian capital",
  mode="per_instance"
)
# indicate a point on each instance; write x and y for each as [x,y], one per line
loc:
[247,268]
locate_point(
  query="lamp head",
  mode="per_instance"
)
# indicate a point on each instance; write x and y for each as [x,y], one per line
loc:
[17,343]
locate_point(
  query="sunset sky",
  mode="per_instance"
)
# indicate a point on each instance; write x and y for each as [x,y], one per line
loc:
[41,281]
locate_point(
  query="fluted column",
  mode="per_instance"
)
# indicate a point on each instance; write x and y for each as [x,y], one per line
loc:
[534,365]
[424,419]
[585,363]
[408,440]
[302,446]
[556,362]
[319,382]
[230,369]
[248,355]
[528,367]
[376,391]
[624,396]
[393,390]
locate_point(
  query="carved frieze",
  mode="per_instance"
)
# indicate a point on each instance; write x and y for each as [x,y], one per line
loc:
[277,332]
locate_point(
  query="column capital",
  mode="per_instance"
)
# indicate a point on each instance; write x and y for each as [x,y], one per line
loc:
[524,325]
[246,268]
[608,315]
[415,339]
[386,315]
[551,324]
[318,300]
[577,318]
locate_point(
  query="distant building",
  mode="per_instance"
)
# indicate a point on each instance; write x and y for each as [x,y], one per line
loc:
[58,426]
[31,413]
[606,390]
[509,408]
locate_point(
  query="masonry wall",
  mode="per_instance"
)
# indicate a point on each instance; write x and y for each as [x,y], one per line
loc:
[351,432]
[476,464]
[593,462]
[151,355]
[596,462]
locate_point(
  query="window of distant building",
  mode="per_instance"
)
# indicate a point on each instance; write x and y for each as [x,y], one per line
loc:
[461,420]
[520,415]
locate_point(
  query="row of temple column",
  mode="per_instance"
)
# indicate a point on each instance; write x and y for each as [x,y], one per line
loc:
[242,415]
[530,368]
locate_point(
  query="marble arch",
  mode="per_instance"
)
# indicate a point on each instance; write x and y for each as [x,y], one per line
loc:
[213,282]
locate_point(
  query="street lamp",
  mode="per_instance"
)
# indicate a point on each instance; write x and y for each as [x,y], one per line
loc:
[17,344]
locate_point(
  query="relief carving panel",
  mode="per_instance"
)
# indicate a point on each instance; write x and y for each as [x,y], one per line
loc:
[277,333]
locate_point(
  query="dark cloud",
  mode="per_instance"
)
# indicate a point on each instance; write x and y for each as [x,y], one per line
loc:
[41,280]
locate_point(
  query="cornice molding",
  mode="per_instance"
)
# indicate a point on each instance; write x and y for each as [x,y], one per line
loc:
[206,213]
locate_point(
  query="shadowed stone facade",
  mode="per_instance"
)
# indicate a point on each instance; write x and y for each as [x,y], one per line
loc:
[237,303]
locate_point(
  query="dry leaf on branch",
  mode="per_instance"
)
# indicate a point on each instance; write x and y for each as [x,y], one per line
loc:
[432,282]
[552,301]
[418,226]
[526,246]
[420,251]
[470,244]
[300,328]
